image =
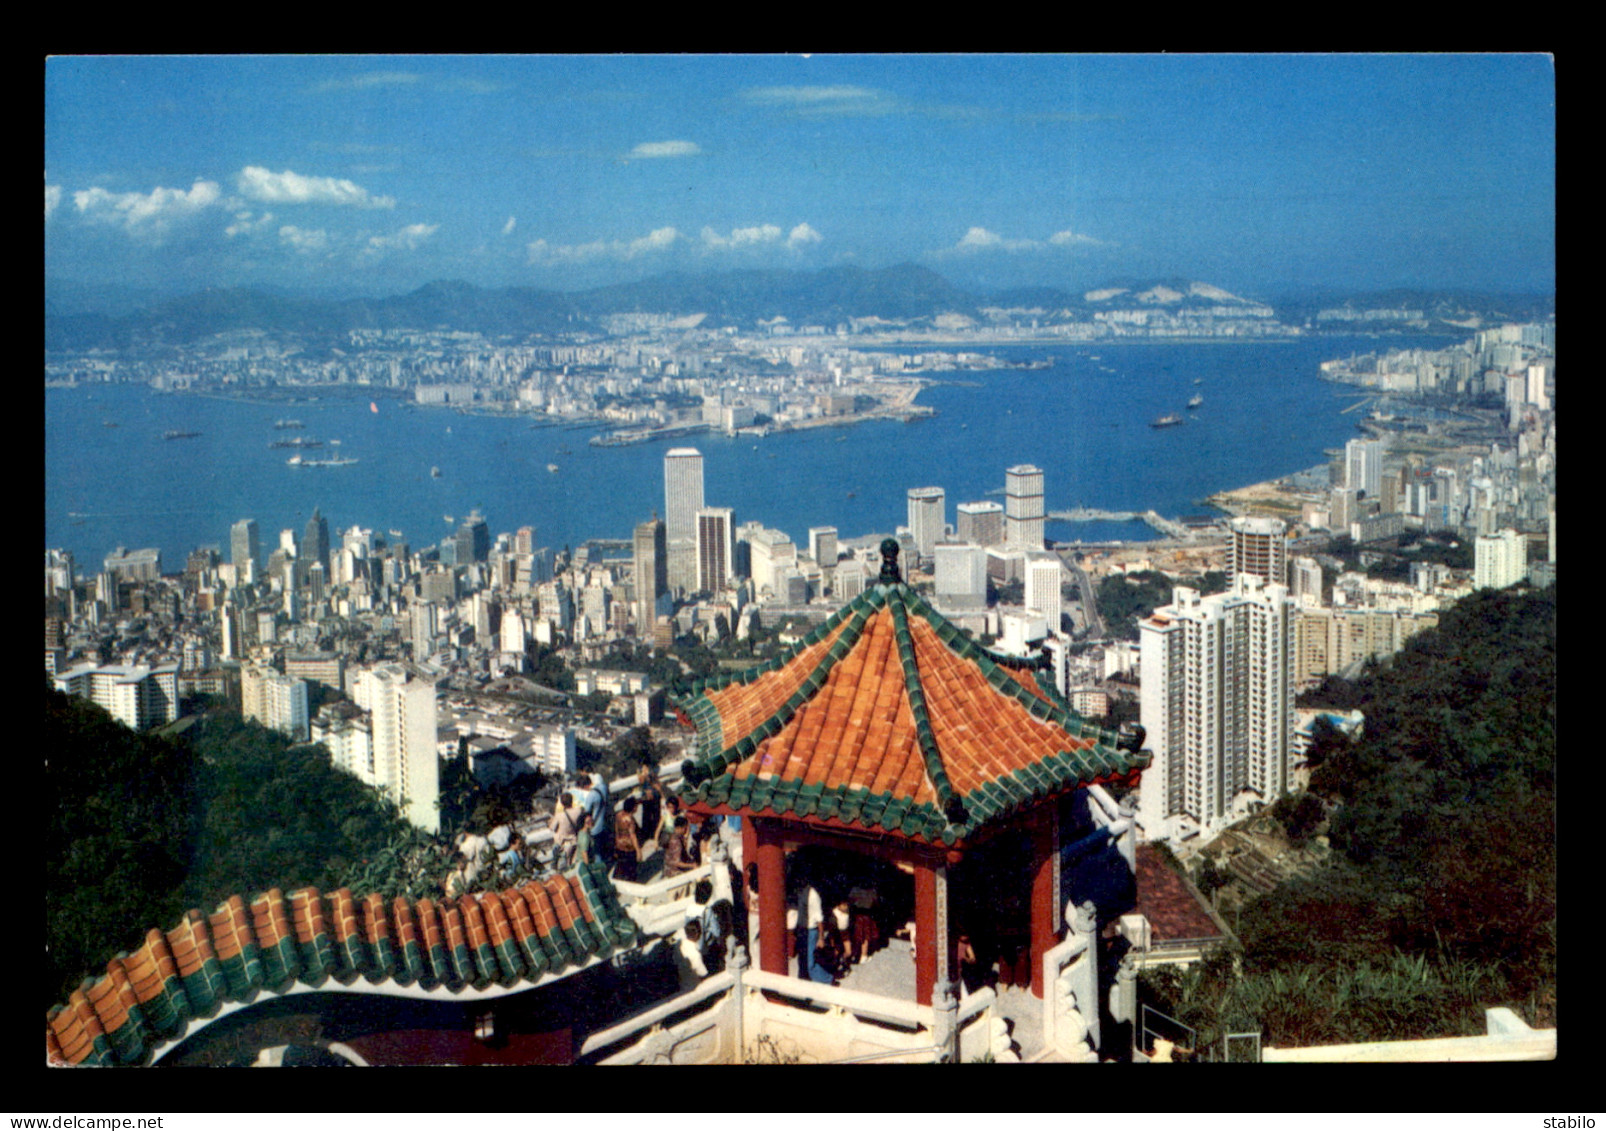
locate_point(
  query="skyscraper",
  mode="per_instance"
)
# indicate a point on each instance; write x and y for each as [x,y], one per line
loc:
[683,498]
[651,571]
[1043,587]
[1217,702]
[315,542]
[1023,507]
[715,551]
[822,546]
[1363,466]
[980,524]
[245,550]
[1499,560]
[404,719]
[928,514]
[960,572]
[1260,547]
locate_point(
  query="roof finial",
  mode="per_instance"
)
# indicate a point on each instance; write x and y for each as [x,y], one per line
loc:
[889,563]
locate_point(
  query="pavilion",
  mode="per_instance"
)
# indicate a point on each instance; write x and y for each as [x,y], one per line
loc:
[888,733]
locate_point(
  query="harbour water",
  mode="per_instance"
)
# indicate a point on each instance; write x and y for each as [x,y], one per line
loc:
[112,479]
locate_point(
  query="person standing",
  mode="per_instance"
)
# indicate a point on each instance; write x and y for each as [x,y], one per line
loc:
[565,828]
[811,917]
[626,843]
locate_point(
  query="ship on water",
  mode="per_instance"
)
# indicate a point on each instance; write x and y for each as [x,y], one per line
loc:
[297,442]
[1198,399]
[1166,421]
[178,435]
[288,424]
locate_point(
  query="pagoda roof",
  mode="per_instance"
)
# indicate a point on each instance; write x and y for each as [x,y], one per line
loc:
[888,718]
[492,941]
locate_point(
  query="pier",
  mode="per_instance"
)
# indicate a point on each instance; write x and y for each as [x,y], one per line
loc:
[1092,514]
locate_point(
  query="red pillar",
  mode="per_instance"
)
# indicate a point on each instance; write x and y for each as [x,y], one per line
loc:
[771,859]
[1045,900]
[925,931]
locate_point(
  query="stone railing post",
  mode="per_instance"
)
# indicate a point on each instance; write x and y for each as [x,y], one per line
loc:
[737,965]
[945,1021]
[1083,920]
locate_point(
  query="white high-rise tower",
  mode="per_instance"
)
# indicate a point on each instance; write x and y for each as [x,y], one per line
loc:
[1023,507]
[928,514]
[404,720]
[683,498]
[1217,702]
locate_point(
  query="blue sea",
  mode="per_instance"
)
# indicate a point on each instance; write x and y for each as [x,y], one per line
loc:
[1084,421]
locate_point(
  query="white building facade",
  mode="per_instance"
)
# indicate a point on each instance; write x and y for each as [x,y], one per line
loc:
[1217,703]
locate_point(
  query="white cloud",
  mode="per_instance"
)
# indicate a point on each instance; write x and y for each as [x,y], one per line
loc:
[979,241]
[1069,238]
[659,239]
[303,240]
[839,99]
[146,214]
[52,198]
[666,149]
[801,235]
[367,81]
[406,239]
[507,228]
[246,222]
[292,188]
[741,237]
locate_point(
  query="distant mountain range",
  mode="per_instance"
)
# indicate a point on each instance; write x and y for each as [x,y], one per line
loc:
[79,316]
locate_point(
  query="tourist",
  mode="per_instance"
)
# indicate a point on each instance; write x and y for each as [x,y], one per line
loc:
[865,933]
[626,843]
[677,856]
[666,823]
[585,847]
[565,828]
[810,918]
[649,797]
[595,801]
[688,955]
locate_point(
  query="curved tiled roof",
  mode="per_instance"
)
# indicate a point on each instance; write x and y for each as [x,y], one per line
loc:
[889,718]
[273,944]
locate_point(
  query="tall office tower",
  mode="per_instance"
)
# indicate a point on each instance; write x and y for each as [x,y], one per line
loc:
[230,621]
[1306,581]
[315,542]
[1536,388]
[683,498]
[960,575]
[1217,702]
[404,718]
[1023,508]
[1260,547]
[287,543]
[980,524]
[316,579]
[715,548]
[245,550]
[1043,574]
[278,702]
[513,636]
[1342,509]
[652,571]
[851,578]
[928,514]
[1499,560]
[473,540]
[822,546]
[423,627]
[771,554]
[1363,466]
[524,540]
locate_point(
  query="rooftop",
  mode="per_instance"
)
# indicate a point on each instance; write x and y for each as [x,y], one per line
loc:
[887,717]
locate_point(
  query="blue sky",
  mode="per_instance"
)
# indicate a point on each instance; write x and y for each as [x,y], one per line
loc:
[375,174]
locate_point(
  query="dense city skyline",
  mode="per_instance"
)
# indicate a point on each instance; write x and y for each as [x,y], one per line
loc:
[376,174]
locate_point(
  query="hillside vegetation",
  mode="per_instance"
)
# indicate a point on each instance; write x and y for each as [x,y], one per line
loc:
[1439,898]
